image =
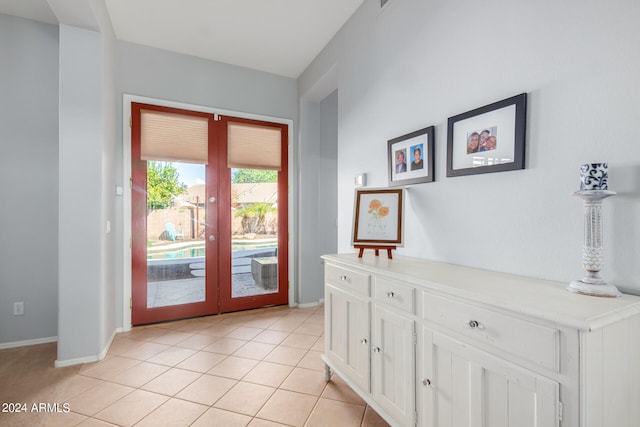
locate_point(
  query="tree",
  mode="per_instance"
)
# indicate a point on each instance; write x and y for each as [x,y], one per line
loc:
[254,217]
[162,185]
[260,211]
[245,213]
[243,176]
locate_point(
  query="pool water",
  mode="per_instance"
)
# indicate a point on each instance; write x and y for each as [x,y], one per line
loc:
[199,251]
[181,253]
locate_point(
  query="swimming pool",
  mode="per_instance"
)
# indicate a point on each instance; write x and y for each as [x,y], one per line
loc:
[199,251]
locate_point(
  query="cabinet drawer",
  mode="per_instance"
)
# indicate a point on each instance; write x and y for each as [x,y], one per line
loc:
[347,279]
[394,294]
[529,341]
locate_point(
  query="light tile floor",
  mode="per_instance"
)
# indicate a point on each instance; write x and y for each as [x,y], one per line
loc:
[256,368]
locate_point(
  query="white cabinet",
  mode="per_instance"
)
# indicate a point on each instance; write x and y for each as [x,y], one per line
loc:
[440,345]
[461,386]
[374,354]
[392,363]
[347,334]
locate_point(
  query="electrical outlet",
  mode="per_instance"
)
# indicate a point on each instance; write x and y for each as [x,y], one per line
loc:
[18,308]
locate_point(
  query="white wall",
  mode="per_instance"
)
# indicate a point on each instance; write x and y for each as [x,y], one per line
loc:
[29,190]
[415,63]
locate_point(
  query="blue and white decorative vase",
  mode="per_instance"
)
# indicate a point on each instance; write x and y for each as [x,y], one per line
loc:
[594,176]
[593,190]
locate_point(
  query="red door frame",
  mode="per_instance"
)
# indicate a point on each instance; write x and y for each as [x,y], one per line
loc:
[140,314]
[227,303]
[218,224]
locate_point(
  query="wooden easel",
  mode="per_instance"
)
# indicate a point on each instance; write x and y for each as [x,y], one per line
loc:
[375,248]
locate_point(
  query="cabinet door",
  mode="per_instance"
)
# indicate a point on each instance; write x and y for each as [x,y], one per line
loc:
[393,364]
[347,320]
[461,386]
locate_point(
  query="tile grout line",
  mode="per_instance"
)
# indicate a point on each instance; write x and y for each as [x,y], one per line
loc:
[176,345]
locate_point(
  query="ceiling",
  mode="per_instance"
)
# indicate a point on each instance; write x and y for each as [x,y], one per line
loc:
[276,36]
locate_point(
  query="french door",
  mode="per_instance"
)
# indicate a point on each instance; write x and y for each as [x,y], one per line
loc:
[209,214]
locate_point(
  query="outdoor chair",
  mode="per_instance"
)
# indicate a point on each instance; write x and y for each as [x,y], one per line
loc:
[172,233]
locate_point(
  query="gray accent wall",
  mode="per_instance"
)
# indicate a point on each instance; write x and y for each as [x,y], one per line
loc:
[415,63]
[110,283]
[171,76]
[164,75]
[29,179]
[63,244]
[87,241]
[81,209]
[58,129]
[317,199]
[327,188]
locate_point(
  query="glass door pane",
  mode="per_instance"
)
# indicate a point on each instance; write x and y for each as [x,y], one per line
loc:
[254,232]
[176,216]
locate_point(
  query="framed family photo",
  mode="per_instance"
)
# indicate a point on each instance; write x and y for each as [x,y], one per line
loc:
[378,217]
[488,139]
[410,158]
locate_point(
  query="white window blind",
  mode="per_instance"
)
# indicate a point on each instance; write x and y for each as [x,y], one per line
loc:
[173,137]
[253,146]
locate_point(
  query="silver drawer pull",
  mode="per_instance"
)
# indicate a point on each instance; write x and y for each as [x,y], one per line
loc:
[363,341]
[343,278]
[376,349]
[474,324]
[391,294]
[426,382]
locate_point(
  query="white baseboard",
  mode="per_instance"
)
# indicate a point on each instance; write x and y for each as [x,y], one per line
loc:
[105,350]
[89,359]
[27,342]
[78,361]
[311,304]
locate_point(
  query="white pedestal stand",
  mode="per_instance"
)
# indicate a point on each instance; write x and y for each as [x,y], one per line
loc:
[592,283]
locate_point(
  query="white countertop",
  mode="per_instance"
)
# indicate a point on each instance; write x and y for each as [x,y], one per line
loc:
[540,298]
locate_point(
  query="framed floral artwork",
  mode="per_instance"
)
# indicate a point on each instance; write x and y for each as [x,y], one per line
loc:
[378,217]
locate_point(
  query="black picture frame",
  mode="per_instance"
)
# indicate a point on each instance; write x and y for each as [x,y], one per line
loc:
[408,146]
[502,124]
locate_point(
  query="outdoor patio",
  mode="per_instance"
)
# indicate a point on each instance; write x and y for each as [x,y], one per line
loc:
[181,280]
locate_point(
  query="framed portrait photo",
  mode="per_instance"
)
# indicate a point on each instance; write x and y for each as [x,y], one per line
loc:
[410,158]
[488,139]
[378,217]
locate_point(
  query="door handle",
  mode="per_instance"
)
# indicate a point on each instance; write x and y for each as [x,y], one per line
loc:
[212,238]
